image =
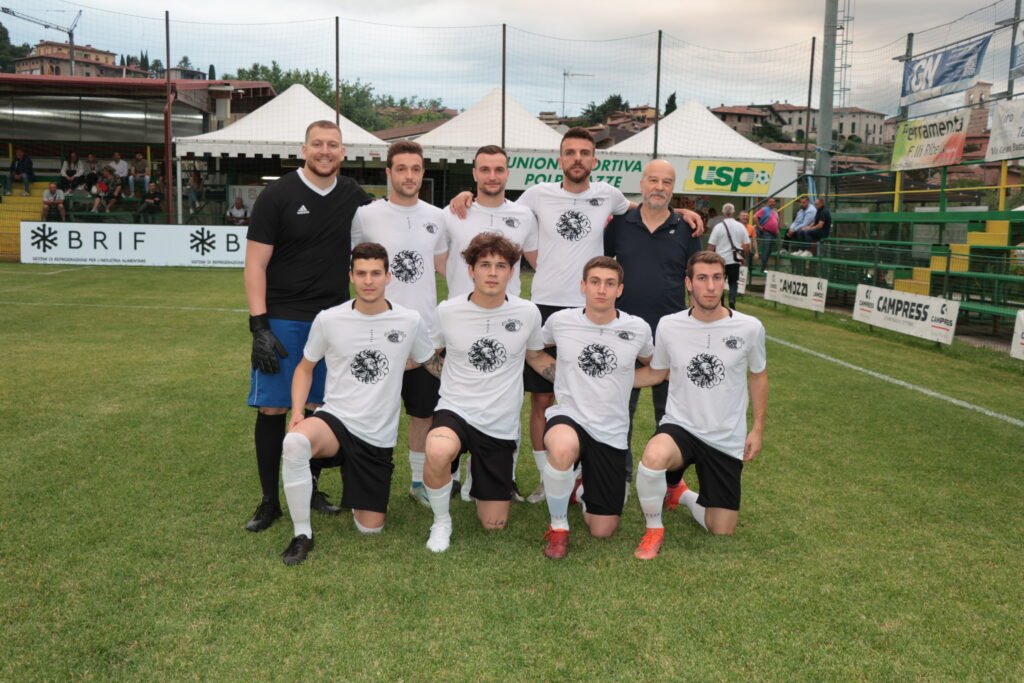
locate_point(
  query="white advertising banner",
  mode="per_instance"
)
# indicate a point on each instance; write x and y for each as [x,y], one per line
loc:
[796,290]
[928,317]
[1017,342]
[744,278]
[133,244]
[1006,140]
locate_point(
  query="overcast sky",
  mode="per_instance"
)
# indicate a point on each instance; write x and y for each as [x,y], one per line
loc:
[701,54]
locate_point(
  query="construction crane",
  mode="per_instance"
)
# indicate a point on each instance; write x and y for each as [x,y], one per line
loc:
[70,30]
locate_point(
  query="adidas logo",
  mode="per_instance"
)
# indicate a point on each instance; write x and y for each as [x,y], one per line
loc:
[302,211]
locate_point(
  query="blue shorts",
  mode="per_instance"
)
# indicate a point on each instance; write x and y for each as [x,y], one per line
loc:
[275,391]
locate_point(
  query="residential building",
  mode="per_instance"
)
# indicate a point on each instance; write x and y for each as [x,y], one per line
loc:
[855,121]
[743,120]
[49,58]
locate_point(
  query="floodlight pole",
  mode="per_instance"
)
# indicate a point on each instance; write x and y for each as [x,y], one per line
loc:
[504,64]
[168,122]
[823,160]
[1013,47]
[657,98]
[807,116]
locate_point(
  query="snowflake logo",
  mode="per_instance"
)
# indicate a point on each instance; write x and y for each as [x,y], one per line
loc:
[512,325]
[510,221]
[705,370]
[407,266]
[395,336]
[573,225]
[487,355]
[44,238]
[597,360]
[202,241]
[431,228]
[370,366]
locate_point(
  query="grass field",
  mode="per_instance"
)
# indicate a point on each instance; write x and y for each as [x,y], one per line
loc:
[881,537]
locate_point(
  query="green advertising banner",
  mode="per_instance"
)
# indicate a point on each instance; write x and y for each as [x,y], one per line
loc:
[929,141]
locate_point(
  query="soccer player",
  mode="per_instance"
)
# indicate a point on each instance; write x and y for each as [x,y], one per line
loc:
[713,356]
[296,257]
[598,348]
[487,336]
[413,233]
[366,344]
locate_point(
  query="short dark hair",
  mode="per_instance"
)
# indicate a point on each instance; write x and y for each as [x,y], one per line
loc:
[404,147]
[579,134]
[491,243]
[490,149]
[321,124]
[604,262]
[369,251]
[708,257]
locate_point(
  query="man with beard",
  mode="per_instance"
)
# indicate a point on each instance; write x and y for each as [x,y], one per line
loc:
[412,231]
[296,258]
[713,357]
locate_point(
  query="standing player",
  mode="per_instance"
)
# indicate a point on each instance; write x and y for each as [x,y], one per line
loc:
[366,343]
[297,252]
[412,231]
[716,356]
[487,336]
[598,348]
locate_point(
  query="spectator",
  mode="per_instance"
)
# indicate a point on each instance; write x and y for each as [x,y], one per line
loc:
[72,172]
[713,217]
[152,204]
[120,167]
[53,200]
[196,191]
[817,231]
[21,170]
[93,171]
[107,190]
[139,171]
[804,217]
[751,233]
[730,240]
[238,214]
[767,220]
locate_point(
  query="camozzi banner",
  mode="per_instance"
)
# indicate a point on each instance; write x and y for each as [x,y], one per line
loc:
[943,72]
[796,290]
[1017,343]
[929,141]
[1006,140]
[127,244]
[927,317]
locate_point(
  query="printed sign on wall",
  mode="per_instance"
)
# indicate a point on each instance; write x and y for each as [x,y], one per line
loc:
[796,290]
[928,317]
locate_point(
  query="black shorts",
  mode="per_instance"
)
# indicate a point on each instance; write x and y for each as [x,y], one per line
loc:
[491,464]
[718,473]
[604,470]
[532,381]
[365,469]
[420,392]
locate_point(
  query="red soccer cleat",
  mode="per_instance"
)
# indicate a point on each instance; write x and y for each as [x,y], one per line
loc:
[575,497]
[675,494]
[650,544]
[558,543]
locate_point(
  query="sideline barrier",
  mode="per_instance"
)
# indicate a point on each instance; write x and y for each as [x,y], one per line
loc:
[1017,341]
[927,317]
[796,290]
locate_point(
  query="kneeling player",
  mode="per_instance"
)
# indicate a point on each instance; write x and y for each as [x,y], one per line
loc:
[598,350]
[367,343]
[487,336]
[712,356]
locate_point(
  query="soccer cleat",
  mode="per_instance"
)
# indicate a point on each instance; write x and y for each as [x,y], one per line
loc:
[516,496]
[558,543]
[650,544]
[538,494]
[266,513]
[675,494]
[297,550]
[440,537]
[322,504]
[456,488]
[418,492]
[577,492]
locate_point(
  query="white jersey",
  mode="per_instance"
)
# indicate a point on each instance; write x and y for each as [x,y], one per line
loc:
[412,236]
[707,383]
[482,380]
[515,222]
[366,356]
[720,240]
[571,232]
[594,370]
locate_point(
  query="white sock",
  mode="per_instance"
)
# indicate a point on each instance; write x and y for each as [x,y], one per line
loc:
[298,480]
[366,529]
[439,503]
[515,462]
[540,458]
[416,460]
[689,499]
[558,488]
[650,489]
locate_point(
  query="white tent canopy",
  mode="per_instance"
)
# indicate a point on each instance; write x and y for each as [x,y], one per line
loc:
[459,138]
[279,128]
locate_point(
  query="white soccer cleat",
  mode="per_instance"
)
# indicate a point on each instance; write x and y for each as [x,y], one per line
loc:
[419,494]
[440,538]
[538,495]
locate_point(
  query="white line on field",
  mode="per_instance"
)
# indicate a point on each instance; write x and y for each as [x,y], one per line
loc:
[127,306]
[51,272]
[900,383]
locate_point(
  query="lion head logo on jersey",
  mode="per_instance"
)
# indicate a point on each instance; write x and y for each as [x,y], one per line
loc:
[370,366]
[431,228]
[705,370]
[573,225]
[512,325]
[597,360]
[395,336]
[407,266]
[510,221]
[487,355]
[626,335]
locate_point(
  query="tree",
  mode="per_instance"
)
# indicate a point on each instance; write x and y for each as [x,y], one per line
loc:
[9,52]
[212,73]
[670,104]
[185,63]
[144,60]
[594,114]
[123,63]
[156,66]
[771,132]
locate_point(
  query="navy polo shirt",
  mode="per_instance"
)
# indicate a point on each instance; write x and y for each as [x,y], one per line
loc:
[654,263]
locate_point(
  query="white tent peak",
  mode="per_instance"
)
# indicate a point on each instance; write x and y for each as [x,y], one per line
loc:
[693,131]
[481,125]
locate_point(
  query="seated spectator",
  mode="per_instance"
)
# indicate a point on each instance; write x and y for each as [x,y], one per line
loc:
[139,171]
[93,171]
[53,202]
[72,172]
[196,191]
[107,190]
[804,218]
[238,214]
[767,219]
[21,171]
[152,204]
[813,234]
[120,167]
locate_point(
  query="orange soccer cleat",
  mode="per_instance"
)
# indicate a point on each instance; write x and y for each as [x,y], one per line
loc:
[650,544]
[558,543]
[675,494]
